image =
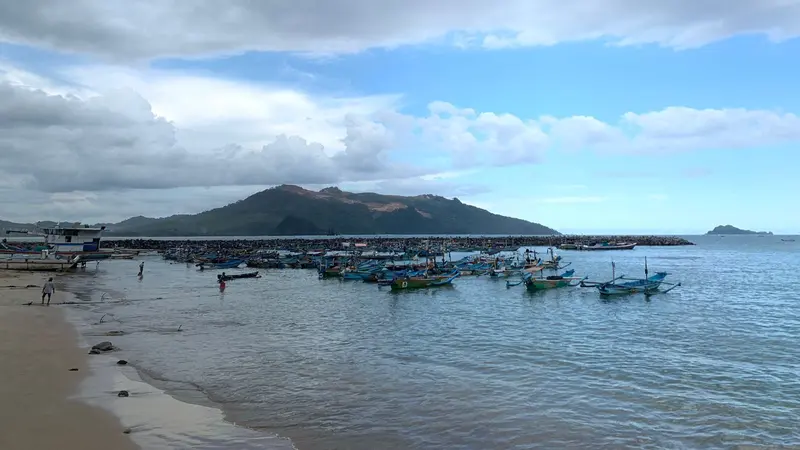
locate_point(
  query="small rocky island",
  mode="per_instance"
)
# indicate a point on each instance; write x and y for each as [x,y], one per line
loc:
[730,229]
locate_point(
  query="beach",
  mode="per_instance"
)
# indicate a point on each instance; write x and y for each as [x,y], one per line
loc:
[38,347]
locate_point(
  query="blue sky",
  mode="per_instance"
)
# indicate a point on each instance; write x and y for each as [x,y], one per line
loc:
[680,139]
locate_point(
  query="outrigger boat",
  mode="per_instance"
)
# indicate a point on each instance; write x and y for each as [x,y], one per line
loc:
[554,261]
[622,285]
[533,283]
[424,282]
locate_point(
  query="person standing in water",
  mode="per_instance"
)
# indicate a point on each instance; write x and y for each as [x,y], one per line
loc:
[141,268]
[48,289]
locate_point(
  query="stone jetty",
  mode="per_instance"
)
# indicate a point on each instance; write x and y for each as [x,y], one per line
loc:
[384,243]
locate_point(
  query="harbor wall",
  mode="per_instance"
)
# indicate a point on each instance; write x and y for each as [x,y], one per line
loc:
[390,242]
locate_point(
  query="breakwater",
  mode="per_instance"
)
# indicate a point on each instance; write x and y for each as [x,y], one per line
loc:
[391,243]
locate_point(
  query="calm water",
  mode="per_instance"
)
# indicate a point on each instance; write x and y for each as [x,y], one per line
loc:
[346,365]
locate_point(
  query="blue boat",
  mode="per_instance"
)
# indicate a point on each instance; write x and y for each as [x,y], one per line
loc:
[622,285]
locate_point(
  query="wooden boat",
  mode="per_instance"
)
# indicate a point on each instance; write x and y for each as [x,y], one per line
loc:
[40,264]
[534,283]
[609,246]
[622,285]
[237,276]
[423,282]
[554,261]
[331,272]
[566,279]
[787,240]
[229,264]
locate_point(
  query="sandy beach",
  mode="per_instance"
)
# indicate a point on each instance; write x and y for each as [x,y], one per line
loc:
[38,347]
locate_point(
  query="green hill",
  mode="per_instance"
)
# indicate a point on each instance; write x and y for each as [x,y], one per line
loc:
[730,229]
[291,210]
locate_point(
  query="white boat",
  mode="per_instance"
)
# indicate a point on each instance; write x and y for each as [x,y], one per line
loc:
[60,243]
[610,246]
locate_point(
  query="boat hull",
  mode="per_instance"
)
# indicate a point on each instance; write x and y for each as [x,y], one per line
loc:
[624,290]
[609,247]
[538,284]
[38,265]
[423,283]
[651,284]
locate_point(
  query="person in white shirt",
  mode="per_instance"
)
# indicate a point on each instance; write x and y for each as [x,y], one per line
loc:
[48,290]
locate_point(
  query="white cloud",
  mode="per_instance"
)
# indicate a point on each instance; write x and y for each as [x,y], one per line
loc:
[118,29]
[212,112]
[115,130]
[676,129]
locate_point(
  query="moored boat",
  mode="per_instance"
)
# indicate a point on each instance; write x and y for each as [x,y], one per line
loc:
[226,264]
[226,277]
[423,282]
[609,246]
[622,285]
[61,242]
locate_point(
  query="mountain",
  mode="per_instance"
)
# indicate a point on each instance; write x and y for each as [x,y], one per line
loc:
[6,225]
[291,210]
[730,229]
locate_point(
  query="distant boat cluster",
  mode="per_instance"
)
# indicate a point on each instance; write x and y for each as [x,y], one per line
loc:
[429,269]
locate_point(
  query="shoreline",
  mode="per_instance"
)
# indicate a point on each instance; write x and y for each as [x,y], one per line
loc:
[39,347]
[158,419]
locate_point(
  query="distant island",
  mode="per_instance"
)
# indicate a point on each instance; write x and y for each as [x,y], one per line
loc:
[289,210]
[730,229]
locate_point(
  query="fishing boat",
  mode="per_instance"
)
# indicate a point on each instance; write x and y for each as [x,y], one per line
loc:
[554,262]
[787,240]
[622,285]
[609,246]
[534,283]
[60,242]
[423,282]
[226,277]
[40,264]
[226,264]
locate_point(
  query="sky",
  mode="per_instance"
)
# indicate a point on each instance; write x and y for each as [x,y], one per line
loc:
[612,116]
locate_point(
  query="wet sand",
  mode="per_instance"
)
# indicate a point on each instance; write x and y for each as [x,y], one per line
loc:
[38,347]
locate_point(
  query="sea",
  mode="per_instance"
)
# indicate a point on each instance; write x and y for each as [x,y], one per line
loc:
[289,360]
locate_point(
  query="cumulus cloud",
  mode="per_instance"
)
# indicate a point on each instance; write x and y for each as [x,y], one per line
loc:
[75,141]
[107,131]
[60,144]
[155,28]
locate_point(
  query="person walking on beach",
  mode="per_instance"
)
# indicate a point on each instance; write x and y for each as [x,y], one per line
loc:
[141,268]
[48,290]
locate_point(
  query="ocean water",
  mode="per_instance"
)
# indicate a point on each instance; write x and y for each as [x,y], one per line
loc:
[331,364]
